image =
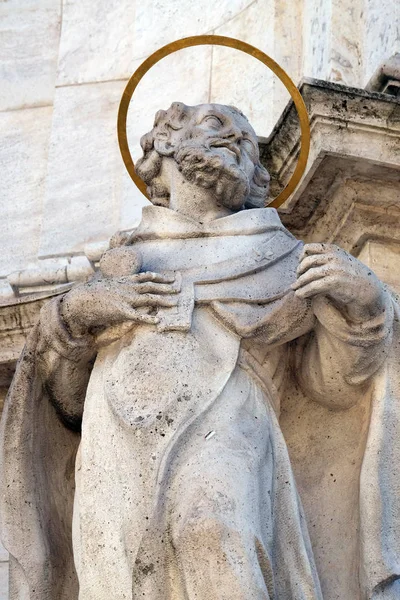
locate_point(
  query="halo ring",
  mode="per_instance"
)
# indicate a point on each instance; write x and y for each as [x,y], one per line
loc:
[216,40]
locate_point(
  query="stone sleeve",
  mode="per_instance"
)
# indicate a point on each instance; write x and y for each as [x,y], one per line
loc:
[64,363]
[334,364]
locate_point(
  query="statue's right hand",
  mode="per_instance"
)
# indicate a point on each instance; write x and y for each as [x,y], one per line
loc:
[102,303]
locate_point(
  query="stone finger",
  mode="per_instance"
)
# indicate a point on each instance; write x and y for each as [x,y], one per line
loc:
[132,315]
[156,288]
[155,300]
[321,286]
[315,260]
[315,248]
[310,275]
[151,276]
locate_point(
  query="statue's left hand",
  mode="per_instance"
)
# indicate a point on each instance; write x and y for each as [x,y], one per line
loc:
[327,270]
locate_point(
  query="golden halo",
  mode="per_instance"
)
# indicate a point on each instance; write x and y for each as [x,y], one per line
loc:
[216,40]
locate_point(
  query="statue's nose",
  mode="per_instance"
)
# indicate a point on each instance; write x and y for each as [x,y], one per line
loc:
[235,135]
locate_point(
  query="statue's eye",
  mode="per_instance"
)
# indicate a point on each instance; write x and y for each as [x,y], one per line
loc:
[171,126]
[248,146]
[212,121]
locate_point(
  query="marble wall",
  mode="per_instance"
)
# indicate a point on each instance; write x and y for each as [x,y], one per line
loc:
[63,66]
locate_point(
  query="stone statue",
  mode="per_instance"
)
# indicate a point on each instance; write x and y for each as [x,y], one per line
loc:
[142,454]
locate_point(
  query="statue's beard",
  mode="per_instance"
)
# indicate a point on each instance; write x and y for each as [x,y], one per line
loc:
[214,167]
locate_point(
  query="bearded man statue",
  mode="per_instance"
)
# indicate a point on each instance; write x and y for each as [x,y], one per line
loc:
[142,455]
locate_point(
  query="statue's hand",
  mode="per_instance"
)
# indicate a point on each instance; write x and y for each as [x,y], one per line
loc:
[327,270]
[106,302]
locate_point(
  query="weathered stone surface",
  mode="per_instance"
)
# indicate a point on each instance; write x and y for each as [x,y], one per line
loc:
[346,45]
[174,19]
[384,259]
[381,37]
[29,38]
[387,77]
[97,41]
[24,136]
[360,124]
[134,30]
[183,75]
[17,317]
[341,40]
[4,581]
[3,554]
[3,570]
[108,40]
[84,170]
[132,201]
[316,32]
[346,40]
[288,52]
[241,80]
[88,194]
[193,324]
[349,194]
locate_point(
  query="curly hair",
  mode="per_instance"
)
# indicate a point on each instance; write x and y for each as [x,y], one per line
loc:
[165,139]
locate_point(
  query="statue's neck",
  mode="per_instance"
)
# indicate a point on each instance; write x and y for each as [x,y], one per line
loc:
[191,200]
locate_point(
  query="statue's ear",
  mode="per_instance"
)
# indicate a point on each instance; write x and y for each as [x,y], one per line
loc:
[168,128]
[164,143]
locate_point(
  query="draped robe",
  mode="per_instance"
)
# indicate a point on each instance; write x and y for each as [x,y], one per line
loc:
[183,486]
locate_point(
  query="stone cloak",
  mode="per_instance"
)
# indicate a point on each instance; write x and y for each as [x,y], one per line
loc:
[36,528]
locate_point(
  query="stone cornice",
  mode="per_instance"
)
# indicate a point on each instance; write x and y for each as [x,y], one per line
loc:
[354,134]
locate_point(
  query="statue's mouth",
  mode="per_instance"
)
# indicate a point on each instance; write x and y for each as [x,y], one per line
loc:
[232,148]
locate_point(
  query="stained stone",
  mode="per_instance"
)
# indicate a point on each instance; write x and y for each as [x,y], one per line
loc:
[164,381]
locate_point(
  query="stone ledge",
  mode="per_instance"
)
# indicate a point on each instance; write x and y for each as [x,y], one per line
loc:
[355,135]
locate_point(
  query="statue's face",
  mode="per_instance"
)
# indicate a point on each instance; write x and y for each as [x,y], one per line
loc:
[225,133]
[214,147]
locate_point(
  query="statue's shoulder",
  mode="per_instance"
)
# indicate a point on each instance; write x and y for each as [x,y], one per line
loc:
[257,220]
[262,216]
